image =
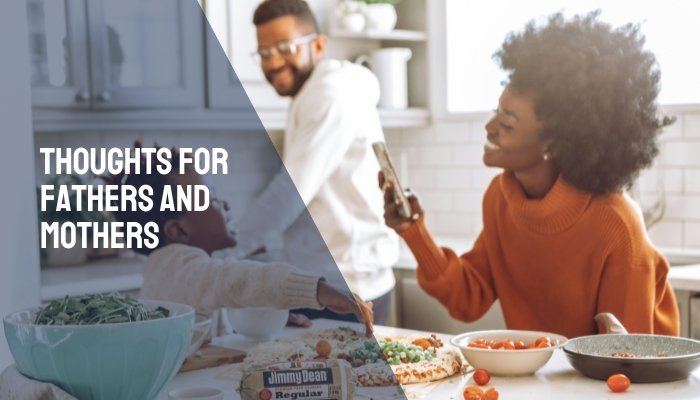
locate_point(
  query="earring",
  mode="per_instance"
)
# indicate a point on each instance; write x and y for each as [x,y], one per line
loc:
[545,156]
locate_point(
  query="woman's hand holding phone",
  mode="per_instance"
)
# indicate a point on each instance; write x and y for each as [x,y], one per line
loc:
[392,218]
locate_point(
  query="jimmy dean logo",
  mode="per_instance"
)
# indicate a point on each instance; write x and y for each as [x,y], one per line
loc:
[301,377]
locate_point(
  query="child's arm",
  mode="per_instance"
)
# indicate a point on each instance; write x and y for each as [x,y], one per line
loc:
[189,275]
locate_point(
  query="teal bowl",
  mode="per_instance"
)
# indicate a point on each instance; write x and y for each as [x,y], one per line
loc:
[130,360]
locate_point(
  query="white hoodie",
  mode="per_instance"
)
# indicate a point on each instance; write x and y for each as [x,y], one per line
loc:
[331,125]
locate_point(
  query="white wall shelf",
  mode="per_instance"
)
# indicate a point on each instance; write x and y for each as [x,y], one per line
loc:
[412,117]
[402,35]
[47,121]
[408,118]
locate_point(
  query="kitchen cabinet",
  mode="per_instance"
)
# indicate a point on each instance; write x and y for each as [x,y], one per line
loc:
[224,90]
[116,54]
[694,320]
[58,53]
[415,309]
[685,280]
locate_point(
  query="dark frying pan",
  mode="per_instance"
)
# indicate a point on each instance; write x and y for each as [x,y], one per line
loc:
[654,358]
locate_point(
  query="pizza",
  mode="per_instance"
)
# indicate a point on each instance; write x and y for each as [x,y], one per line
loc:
[417,359]
[383,362]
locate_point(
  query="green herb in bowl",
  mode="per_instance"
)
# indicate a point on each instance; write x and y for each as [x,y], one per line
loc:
[91,309]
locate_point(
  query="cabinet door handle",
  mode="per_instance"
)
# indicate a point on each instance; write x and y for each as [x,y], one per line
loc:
[82,96]
[104,97]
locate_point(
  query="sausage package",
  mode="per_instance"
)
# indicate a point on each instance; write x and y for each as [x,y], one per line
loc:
[300,380]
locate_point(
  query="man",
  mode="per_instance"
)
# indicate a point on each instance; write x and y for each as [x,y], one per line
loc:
[327,154]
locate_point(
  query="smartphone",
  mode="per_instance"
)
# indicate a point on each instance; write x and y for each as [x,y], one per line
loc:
[389,171]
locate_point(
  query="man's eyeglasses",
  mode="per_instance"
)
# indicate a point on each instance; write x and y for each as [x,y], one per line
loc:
[283,48]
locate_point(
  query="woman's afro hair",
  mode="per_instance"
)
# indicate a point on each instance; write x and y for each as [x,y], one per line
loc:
[595,90]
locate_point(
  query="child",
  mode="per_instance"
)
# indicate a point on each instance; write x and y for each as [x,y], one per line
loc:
[181,268]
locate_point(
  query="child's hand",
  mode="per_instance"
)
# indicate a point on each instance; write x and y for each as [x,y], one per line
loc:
[339,302]
[298,320]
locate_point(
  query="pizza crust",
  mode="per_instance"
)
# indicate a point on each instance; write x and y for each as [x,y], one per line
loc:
[444,366]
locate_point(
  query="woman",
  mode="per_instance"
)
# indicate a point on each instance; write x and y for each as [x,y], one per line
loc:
[574,125]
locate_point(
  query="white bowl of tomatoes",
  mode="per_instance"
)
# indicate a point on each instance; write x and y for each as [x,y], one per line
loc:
[508,352]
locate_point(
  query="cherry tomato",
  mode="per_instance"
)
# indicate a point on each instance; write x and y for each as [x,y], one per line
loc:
[505,345]
[481,377]
[473,393]
[323,348]
[422,343]
[265,394]
[618,383]
[490,394]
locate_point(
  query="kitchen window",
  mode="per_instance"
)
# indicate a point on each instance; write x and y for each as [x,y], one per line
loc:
[475,30]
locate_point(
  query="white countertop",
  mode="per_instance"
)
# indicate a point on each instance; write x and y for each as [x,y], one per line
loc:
[686,277]
[681,277]
[556,380]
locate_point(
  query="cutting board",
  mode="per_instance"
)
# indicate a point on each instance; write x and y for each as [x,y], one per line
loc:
[212,356]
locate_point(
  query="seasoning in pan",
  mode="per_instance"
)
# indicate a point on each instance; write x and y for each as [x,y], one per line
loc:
[625,354]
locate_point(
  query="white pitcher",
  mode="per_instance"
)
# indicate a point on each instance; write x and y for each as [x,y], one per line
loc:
[390,67]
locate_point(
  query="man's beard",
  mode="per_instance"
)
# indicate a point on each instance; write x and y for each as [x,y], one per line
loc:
[299,76]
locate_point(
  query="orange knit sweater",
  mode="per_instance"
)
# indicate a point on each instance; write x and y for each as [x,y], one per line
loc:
[553,263]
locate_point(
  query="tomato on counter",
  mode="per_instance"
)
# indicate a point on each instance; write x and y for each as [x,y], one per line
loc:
[490,394]
[481,377]
[477,393]
[618,383]
[473,393]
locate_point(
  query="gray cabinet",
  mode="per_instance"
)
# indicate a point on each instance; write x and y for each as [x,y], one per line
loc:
[58,53]
[224,90]
[116,54]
